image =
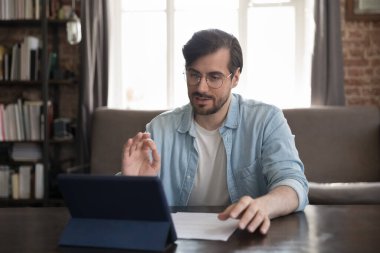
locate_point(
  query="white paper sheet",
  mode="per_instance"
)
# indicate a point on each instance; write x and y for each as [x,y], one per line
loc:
[204,226]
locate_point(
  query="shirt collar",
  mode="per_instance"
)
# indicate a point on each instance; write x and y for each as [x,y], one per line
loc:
[186,120]
[232,119]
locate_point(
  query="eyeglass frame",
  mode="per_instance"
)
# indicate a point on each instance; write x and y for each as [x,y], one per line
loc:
[224,77]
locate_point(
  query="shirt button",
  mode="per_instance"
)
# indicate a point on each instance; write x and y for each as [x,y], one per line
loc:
[188,177]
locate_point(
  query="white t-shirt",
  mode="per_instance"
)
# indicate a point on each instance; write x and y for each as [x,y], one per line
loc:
[210,186]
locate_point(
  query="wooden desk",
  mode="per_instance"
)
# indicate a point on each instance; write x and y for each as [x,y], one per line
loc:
[318,229]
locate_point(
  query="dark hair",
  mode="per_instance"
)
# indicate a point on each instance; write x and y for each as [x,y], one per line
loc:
[209,41]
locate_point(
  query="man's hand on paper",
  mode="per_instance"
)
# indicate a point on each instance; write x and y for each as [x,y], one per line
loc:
[256,213]
[140,156]
[251,212]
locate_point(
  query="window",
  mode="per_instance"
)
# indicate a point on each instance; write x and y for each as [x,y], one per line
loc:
[147,38]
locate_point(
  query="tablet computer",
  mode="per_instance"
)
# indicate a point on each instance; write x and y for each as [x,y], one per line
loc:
[127,212]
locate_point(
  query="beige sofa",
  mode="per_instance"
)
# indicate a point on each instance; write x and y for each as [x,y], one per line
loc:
[340,148]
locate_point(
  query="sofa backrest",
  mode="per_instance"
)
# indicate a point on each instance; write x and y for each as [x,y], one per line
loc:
[111,130]
[338,144]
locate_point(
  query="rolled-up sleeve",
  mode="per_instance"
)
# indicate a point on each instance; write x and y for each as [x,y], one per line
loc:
[280,159]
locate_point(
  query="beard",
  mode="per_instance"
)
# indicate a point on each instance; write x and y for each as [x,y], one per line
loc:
[203,110]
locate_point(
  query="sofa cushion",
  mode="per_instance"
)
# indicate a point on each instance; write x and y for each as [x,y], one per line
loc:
[111,129]
[338,144]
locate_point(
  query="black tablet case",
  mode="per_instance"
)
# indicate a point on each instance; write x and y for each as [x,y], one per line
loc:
[116,212]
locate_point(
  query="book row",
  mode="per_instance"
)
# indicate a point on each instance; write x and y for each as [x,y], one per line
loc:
[20,9]
[20,61]
[23,121]
[31,9]
[24,182]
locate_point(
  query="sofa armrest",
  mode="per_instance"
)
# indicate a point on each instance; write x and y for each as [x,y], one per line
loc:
[344,193]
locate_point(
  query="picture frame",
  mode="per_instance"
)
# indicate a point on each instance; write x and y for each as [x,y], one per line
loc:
[363,10]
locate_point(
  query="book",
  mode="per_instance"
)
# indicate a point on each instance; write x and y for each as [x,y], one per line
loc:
[29,44]
[15,186]
[15,65]
[4,181]
[39,181]
[36,9]
[5,124]
[2,123]
[18,122]
[2,54]
[28,9]
[10,123]
[34,117]
[21,125]
[25,172]
[26,122]
[34,64]
[7,60]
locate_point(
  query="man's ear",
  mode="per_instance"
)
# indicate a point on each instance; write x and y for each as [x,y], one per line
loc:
[235,79]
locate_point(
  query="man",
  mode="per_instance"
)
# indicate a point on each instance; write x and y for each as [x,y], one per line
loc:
[221,149]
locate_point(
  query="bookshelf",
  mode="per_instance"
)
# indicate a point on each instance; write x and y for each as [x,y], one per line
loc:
[48,87]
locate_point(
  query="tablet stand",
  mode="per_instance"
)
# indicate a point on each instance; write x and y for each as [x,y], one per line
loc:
[120,234]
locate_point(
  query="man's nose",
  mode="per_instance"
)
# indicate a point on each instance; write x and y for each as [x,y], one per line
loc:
[203,84]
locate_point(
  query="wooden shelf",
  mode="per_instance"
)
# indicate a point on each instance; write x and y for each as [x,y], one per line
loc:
[20,163]
[51,141]
[38,82]
[20,22]
[9,202]
[20,202]
[61,141]
[62,82]
[11,142]
[30,22]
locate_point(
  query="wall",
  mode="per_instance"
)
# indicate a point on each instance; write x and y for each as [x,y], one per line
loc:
[361,53]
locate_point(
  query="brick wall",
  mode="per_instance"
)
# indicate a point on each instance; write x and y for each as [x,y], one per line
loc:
[361,55]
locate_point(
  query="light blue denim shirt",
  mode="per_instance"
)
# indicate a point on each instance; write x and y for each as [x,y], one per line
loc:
[260,149]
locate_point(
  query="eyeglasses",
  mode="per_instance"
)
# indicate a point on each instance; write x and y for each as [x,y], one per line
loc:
[214,80]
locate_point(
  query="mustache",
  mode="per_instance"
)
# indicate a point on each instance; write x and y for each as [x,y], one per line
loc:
[202,95]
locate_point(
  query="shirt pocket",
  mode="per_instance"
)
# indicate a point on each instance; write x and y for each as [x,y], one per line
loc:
[250,180]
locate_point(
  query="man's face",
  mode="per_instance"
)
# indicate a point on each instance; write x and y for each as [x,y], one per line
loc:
[204,99]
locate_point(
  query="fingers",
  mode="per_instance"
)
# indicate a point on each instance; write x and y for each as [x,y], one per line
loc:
[250,213]
[137,157]
[127,148]
[155,156]
[258,220]
[126,158]
[239,208]
[150,145]
[265,226]
[234,210]
[141,141]
[226,213]
[135,143]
